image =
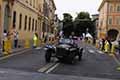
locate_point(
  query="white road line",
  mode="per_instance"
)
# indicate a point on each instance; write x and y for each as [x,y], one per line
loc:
[2,72]
[5,57]
[52,68]
[91,51]
[116,60]
[38,48]
[100,52]
[46,67]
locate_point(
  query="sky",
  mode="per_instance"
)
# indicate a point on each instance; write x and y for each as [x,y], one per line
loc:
[75,6]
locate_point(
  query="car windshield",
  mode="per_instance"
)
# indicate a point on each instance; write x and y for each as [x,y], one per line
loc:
[65,41]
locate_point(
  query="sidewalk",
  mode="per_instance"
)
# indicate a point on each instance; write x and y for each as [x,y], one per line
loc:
[15,50]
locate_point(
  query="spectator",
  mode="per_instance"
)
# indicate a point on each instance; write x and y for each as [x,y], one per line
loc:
[15,39]
[4,39]
[103,44]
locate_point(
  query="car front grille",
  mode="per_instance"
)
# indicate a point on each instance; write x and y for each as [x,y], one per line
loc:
[61,52]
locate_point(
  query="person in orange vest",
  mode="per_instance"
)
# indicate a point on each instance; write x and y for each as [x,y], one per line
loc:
[35,39]
[107,46]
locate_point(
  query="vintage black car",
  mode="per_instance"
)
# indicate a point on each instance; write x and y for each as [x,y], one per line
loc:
[65,51]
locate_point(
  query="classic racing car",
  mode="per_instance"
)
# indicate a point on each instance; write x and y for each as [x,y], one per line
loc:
[65,51]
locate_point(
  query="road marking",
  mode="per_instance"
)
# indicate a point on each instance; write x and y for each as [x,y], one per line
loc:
[52,68]
[49,67]
[5,57]
[46,67]
[2,72]
[116,60]
[100,52]
[38,48]
[91,51]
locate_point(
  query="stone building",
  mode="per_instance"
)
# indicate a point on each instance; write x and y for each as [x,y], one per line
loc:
[95,19]
[0,18]
[109,19]
[49,14]
[26,16]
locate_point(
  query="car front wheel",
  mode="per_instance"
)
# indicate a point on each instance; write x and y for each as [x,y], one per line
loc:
[80,54]
[48,56]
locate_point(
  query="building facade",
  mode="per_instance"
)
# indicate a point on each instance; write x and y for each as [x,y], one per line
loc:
[95,19]
[26,17]
[109,19]
[22,16]
[49,14]
[0,18]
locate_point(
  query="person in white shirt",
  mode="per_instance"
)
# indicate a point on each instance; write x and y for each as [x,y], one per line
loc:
[4,39]
[15,39]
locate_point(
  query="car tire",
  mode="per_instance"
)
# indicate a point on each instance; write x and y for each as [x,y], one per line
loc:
[79,57]
[80,54]
[48,56]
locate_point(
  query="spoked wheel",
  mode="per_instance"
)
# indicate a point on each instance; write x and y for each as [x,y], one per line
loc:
[48,56]
[80,54]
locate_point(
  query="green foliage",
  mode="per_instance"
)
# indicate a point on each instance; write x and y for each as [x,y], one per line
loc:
[79,26]
[83,15]
[67,24]
[83,22]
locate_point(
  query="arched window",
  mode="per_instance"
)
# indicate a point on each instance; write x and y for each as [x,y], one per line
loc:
[25,23]
[29,23]
[20,21]
[33,25]
[14,19]
[36,25]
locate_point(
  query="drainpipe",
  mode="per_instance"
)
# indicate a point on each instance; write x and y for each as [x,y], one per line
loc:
[107,19]
[10,4]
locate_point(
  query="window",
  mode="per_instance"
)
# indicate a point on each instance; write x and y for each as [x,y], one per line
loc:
[30,2]
[25,23]
[20,21]
[110,8]
[34,3]
[33,25]
[110,21]
[26,1]
[37,4]
[14,19]
[36,25]
[118,8]
[29,23]
[118,21]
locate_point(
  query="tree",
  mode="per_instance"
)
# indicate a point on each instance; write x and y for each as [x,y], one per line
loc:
[82,23]
[67,24]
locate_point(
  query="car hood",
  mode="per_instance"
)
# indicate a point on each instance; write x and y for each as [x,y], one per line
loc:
[64,46]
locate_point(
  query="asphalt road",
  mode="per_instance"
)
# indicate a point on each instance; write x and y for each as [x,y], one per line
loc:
[94,64]
[25,65]
[30,61]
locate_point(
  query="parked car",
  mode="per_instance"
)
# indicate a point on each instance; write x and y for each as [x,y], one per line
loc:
[65,51]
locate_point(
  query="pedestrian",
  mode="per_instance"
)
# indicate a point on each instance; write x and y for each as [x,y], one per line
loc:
[15,39]
[4,39]
[94,41]
[46,38]
[110,45]
[103,44]
[119,46]
[107,46]
[35,39]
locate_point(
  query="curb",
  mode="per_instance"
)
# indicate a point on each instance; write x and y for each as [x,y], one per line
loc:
[13,51]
